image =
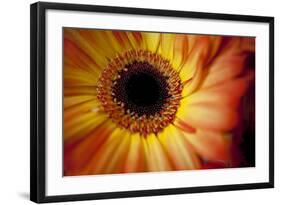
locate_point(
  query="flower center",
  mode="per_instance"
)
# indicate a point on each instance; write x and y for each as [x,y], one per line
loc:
[140,91]
[141,88]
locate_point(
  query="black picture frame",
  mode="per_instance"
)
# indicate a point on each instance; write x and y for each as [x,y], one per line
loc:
[38,101]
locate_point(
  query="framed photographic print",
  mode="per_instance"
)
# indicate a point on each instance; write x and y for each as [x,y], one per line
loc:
[129,102]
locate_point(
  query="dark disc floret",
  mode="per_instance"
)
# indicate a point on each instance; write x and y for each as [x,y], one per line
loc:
[142,89]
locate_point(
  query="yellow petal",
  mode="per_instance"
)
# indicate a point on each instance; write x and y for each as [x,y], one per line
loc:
[99,39]
[136,41]
[191,85]
[73,108]
[181,153]
[81,124]
[152,41]
[69,101]
[77,77]
[167,45]
[122,39]
[80,90]
[155,155]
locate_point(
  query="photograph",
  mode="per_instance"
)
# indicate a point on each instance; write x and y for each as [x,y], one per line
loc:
[151,102]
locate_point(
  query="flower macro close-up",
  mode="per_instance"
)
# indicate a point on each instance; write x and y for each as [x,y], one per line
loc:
[147,101]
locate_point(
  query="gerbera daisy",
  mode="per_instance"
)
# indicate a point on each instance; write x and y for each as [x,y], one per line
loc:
[140,101]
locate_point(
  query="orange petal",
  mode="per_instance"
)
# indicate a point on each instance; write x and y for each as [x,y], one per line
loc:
[77,154]
[135,157]
[211,146]
[215,46]
[86,46]
[105,159]
[75,57]
[122,38]
[224,68]
[209,116]
[220,94]
[135,39]
[180,51]
[196,58]
[248,44]
[184,126]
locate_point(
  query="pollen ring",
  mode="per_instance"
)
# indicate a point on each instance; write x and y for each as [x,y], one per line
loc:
[140,91]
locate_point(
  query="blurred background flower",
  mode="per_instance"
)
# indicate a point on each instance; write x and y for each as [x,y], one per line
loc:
[140,101]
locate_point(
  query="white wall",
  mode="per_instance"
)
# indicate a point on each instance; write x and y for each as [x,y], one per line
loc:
[14,100]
